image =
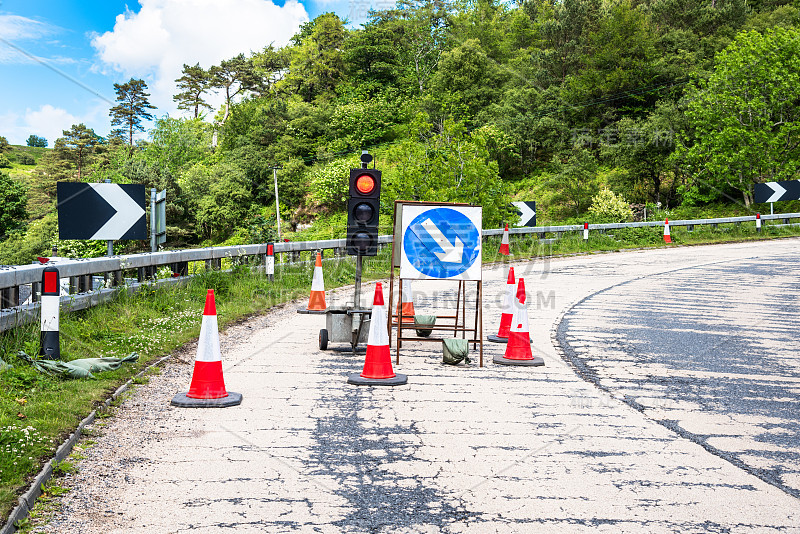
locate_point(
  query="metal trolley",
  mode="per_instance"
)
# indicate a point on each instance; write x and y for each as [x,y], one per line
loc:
[342,325]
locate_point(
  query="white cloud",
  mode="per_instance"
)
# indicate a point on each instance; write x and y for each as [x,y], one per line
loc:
[15,28]
[154,43]
[47,121]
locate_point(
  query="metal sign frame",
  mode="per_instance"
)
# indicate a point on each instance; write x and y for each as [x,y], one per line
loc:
[459,319]
[158,219]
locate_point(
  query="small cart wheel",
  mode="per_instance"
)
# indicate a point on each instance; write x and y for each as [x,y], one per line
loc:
[323,339]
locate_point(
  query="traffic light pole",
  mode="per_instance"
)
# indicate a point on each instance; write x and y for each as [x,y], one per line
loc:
[357,299]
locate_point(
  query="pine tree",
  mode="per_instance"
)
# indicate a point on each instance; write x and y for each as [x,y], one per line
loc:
[194,82]
[132,108]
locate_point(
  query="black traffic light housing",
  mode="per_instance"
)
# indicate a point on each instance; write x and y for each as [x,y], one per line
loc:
[363,212]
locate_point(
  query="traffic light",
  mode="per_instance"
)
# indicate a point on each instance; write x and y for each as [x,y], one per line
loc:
[363,212]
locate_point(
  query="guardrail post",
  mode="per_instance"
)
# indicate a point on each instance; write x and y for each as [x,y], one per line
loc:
[785,221]
[115,277]
[9,297]
[85,283]
[36,291]
[181,268]
[714,226]
[690,228]
[541,235]
[73,285]
[295,256]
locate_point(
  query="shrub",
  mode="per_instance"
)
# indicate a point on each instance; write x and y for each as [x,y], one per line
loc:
[5,163]
[25,159]
[609,208]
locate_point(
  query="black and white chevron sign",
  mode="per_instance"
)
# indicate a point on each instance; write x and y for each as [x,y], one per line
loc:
[527,213]
[101,211]
[777,191]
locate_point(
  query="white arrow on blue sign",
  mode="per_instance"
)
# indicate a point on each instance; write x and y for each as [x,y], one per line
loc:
[441,242]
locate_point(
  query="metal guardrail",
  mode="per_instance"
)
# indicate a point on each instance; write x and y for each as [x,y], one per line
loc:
[12,277]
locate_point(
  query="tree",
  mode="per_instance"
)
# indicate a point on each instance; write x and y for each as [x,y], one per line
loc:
[132,108]
[193,84]
[466,82]
[316,64]
[4,146]
[446,164]
[644,148]
[13,201]
[574,180]
[234,76]
[176,144]
[35,140]
[371,55]
[81,141]
[744,121]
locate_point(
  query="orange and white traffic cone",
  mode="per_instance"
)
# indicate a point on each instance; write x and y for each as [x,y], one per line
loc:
[504,250]
[667,237]
[508,310]
[208,386]
[405,306]
[317,299]
[518,350]
[378,362]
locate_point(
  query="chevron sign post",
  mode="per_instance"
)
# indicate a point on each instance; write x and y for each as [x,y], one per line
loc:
[776,191]
[101,211]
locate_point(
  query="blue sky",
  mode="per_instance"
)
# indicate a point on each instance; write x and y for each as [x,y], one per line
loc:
[59,59]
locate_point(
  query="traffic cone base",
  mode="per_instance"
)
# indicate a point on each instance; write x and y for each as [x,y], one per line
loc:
[358,380]
[502,360]
[496,339]
[182,400]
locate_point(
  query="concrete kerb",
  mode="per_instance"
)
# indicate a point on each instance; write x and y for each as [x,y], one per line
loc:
[29,498]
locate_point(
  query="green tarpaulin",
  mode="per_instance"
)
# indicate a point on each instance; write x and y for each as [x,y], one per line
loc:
[82,368]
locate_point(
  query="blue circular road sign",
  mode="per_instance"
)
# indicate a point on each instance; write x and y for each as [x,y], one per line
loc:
[442,243]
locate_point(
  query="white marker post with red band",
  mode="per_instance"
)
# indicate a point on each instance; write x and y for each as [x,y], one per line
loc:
[49,339]
[271,261]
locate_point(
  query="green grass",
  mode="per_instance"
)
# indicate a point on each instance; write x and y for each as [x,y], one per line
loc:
[38,411]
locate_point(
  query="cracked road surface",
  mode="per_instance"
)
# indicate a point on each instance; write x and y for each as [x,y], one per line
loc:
[617,433]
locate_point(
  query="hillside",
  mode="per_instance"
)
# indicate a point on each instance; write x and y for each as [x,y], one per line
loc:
[476,102]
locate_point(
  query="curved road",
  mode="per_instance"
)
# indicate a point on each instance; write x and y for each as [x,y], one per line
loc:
[692,427]
[711,352]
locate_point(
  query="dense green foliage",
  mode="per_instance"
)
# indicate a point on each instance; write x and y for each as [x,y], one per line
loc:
[660,102]
[35,140]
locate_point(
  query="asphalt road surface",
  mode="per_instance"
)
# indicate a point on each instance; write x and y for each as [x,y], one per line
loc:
[672,407]
[711,352]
